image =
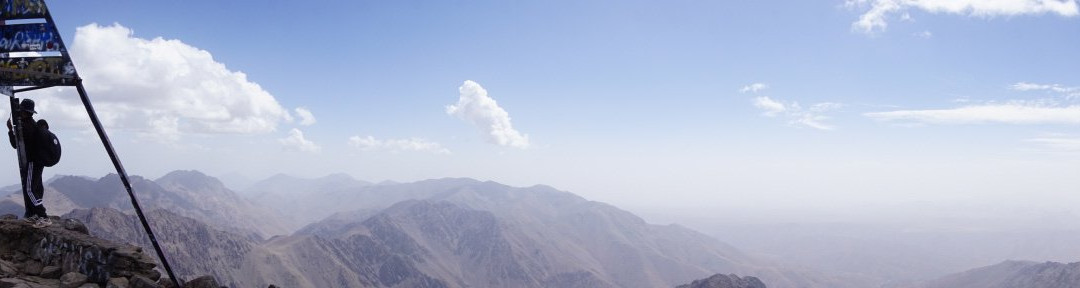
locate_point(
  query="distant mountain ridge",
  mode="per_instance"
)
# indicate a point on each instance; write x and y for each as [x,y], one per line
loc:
[311,199]
[1013,274]
[551,220]
[194,248]
[452,232]
[188,193]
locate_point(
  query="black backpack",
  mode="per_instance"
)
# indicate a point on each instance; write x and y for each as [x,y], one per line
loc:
[49,149]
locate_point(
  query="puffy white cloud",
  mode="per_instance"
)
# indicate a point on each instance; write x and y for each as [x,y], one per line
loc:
[474,106]
[159,87]
[306,118]
[875,17]
[369,143]
[296,141]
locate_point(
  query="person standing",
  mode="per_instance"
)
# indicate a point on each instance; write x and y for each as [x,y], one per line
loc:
[31,172]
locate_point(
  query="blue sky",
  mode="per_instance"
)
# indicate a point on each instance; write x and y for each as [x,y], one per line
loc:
[723,105]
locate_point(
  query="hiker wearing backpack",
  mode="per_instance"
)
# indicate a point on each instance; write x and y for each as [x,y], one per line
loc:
[37,140]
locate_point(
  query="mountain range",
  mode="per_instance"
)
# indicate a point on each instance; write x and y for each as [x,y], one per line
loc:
[1011,274]
[450,232]
[337,231]
[188,193]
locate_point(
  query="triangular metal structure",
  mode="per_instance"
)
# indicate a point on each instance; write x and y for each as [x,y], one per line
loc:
[33,56]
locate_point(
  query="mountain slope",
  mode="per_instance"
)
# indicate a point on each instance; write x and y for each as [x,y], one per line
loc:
[542,228]
[188,193]
[215,203]
[1013,274]
[444,233]
[193,248]
[309,199]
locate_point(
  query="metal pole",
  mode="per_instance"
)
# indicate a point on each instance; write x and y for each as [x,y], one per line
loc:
[124,179]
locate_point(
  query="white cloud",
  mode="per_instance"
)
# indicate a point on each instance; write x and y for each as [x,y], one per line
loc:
[795,114]
[164,128]
[296,141]
[306,118]
[369,143]
[1060,109]
[925,34]
[875,18]
[159,87]
[771,107]
[1068,92]
[812,121]
[1018,112]
[1024,86]
[482,111]
[753,88]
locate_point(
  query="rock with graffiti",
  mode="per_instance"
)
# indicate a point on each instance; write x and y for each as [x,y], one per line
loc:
[47,257]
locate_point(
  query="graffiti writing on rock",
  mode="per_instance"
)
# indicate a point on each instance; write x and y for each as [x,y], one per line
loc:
[70,257]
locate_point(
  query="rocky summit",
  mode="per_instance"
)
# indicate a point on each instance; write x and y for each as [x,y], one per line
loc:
[66,255]
[725,281]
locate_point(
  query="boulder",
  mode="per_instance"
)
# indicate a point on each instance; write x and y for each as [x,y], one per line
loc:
[50,272]
[142,282]
[203,282]
[118,282]
[72,280]
[33,268]
[75,225]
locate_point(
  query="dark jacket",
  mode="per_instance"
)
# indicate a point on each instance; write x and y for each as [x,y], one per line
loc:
[31,139]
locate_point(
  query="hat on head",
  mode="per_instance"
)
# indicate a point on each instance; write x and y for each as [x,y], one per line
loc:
[27,105]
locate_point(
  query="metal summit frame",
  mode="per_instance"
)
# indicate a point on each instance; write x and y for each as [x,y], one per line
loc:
[44,62]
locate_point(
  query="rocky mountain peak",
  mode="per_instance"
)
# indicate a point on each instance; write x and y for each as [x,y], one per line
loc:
[191,180]
[725,281]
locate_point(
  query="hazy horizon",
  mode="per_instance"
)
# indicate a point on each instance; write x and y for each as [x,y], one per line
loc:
[857,246]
